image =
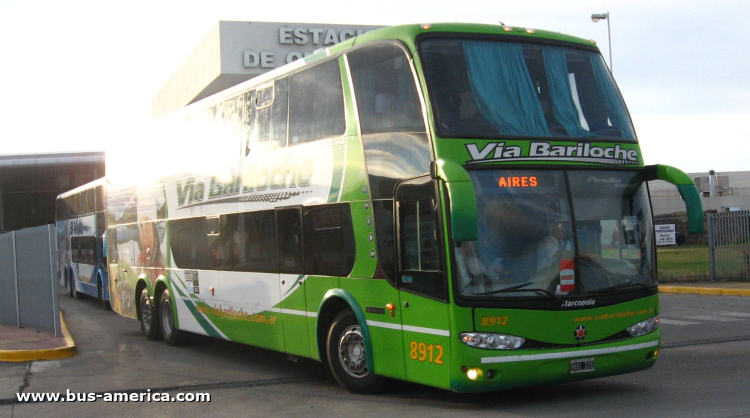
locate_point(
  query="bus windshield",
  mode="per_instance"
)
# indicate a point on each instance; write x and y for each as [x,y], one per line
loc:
[531,241]
[496,89]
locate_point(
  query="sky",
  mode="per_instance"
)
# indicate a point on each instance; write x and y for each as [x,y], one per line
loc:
[80,75]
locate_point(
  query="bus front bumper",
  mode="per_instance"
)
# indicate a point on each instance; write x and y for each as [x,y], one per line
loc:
[488,370]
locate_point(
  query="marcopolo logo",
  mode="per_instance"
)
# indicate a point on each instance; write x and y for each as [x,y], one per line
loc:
[543,151]
[578,303]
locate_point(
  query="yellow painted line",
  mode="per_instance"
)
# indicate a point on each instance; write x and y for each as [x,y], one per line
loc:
[704,290]
[46,354]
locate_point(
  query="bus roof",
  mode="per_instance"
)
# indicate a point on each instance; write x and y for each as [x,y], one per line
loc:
[407,33]
[404,33]
[89,185]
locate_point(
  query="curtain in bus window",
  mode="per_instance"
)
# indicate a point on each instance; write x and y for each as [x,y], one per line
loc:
[560,90]
[503,88]
[612,100]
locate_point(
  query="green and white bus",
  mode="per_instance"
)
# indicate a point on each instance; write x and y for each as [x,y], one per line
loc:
[462,206]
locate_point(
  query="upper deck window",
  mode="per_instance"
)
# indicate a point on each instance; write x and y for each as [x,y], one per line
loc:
[492,89]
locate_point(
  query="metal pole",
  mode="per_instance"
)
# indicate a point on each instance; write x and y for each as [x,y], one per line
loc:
[15,280]
[711,245]
[52,251]
[609,38]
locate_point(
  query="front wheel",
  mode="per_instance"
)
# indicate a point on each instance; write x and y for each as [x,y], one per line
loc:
[172,336]
[346,355]
[147,314]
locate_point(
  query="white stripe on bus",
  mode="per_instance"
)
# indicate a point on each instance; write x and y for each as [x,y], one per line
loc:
[399,327]
[294,312]
[568,354]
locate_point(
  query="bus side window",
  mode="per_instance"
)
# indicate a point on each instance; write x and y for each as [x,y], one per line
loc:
[329,243]
[258,242]
[289,240]
[101,198]
[270,119]
[189,243]
[383,211]
[386,92]
[390,116]
[249,127]
[316,104]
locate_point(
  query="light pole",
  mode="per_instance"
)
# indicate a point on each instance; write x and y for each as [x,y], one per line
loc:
[597,17]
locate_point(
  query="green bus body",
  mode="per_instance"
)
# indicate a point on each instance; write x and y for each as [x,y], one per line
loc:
[321,209]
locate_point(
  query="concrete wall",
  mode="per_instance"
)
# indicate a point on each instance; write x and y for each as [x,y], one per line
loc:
[233,52]
[28,285]
[666,199]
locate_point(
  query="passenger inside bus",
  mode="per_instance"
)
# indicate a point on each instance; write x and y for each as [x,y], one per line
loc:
[473,276]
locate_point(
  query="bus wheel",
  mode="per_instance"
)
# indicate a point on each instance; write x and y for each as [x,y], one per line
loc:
[172,336]
[69,285]
[147,314]
[346,355]
[105,303]
[76,294]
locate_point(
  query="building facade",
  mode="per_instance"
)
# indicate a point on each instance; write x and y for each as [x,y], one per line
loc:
[30,183]
[726,191]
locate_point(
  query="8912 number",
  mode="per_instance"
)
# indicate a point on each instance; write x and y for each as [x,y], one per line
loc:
[432,353]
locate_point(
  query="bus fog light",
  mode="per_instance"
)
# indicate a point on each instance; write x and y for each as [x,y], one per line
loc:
[491,341]
[473,374]
[644,327]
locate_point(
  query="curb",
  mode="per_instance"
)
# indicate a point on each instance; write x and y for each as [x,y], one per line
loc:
[704,291]
[48,354]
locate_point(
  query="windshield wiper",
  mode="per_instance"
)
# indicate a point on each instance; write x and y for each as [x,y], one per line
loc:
[622,286]
[506,289]
[520,288]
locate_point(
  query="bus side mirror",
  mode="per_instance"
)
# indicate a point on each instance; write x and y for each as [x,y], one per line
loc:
[463,201]
[687,189]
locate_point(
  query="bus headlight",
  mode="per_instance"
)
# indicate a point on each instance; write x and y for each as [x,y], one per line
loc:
[491,341]
[644,327]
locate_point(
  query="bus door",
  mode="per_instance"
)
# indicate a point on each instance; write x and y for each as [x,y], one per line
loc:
[291,279]
[422,282]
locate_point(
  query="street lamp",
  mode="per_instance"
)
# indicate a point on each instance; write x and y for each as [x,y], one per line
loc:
[597,17]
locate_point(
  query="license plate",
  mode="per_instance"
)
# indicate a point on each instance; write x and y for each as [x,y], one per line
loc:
[582,365]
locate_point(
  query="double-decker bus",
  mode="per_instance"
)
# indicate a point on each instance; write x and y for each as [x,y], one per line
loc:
[81,252]
[462,206]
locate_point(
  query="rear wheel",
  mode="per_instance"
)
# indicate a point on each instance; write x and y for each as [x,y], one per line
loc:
[172,336]
[69,284]
[346,355]
[147,314]
[105,303]
[76,294]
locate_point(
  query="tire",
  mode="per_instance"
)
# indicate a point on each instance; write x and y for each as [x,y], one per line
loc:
[148,314]
[346,355]
[105,303]
[172,336]
[73,292]
[76,294]
[69,284]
